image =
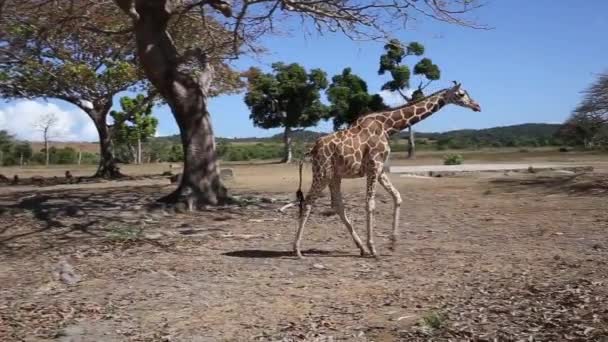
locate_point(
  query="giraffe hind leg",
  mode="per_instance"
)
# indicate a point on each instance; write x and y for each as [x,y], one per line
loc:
[388,186]
[315,191]
[372,178]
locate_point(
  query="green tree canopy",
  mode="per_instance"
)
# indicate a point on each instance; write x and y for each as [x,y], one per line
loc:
[350,99]
[391,61]
[133,125]
[288,97]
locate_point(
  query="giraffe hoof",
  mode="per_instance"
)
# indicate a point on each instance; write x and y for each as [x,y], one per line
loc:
[299,255]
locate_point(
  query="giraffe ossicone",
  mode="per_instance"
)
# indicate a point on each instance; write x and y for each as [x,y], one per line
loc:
[361,151]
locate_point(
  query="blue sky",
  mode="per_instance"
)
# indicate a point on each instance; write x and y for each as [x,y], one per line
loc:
[530,67]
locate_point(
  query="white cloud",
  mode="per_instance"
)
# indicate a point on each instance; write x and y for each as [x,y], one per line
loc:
[393,98]
[20,117]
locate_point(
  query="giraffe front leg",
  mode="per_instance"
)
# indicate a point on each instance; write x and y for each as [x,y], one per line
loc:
[388,186]
[339,207]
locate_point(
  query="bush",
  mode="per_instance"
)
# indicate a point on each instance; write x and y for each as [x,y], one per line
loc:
[453,159]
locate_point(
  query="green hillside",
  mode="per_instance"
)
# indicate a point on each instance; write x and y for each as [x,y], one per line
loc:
[529,135]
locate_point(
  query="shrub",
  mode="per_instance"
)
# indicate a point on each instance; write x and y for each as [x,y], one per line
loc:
[453,159]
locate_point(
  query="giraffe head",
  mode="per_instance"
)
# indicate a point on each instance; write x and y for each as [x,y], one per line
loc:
[460,97]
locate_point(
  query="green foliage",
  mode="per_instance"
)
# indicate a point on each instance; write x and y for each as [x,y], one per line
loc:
[66,155]
[453,159]
[133,124]
[432,321]
[64,61]
[350,99]
[287,97]
[392,59]
[121,233]
[525,135]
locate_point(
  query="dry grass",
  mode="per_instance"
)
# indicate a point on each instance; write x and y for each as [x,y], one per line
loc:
[479,258]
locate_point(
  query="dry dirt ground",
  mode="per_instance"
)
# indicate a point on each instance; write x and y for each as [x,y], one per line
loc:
[485,257]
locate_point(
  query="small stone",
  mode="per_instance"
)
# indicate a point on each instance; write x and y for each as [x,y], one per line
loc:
[226,174]
[319,266]
[153,236]
[181,207]
[597,246]
[64,272]
[176,178]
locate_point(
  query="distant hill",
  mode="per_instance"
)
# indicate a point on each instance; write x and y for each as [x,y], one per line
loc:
[305,135]
[516,135]
[531,134]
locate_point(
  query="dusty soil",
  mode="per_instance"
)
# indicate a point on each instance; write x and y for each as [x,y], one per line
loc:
[506,257]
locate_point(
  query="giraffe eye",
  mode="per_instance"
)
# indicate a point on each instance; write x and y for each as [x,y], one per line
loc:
[461,94]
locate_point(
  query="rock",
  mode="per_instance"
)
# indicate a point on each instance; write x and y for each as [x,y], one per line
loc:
[226,174]
[72,210]
[153,236]
[64,272]
[3,178]
[37,180]
[167,173]
[319,266]
[176,178]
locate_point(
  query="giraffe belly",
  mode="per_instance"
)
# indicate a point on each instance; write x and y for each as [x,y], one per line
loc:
[353,170]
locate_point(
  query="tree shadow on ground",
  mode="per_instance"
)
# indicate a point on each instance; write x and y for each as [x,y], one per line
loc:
[260,253]
[67,216]
[581,184]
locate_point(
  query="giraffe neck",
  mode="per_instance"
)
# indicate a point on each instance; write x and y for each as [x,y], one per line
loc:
[412,113]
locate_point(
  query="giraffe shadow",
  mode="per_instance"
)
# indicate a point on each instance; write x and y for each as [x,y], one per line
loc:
[260,253]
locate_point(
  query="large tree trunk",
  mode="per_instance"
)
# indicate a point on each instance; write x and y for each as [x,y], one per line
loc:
[411,147]
[186,95]
[107,163]
[287,140]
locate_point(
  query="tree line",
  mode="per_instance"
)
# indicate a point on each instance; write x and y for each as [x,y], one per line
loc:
[19,153]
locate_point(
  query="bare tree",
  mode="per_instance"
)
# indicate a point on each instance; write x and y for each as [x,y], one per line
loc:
[46,125]
[588,123]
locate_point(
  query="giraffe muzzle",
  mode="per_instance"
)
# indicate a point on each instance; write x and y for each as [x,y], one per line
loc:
[475,107]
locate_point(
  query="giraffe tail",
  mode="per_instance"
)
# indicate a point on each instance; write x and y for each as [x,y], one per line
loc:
[299,193]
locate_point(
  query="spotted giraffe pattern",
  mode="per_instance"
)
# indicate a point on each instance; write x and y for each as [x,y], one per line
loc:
[361,151]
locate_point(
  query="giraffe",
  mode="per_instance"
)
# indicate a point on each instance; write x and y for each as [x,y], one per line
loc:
[361,151]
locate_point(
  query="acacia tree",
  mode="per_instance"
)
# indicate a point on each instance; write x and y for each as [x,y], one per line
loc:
[392,61]
[350,99]
[289,97]
[133,125]
[588,123]
[50,53]
[46,125]
[187,91]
